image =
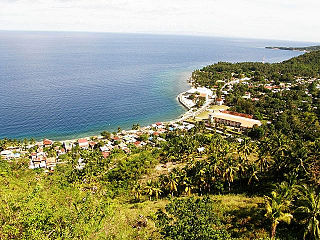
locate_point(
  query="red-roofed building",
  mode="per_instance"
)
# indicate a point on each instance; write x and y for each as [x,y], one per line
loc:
[83,143]
[238,114]
[219,101]
[116,138]
[47,142]
[159,123]
[106,154]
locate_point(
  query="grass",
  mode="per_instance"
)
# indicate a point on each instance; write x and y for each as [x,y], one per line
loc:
[217,107]
[203,115]
[242,215]
[133,220]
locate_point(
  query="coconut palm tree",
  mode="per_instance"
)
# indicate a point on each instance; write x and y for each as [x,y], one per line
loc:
[187,184]
[229,170]
[310,210]
[157,190]
[172,182]
[149,189]
[253,173]
[153,189]
[32,141]
[245,148]
[277,207]
[137,191]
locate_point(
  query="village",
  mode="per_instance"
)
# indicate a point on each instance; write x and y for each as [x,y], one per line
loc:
[47,154]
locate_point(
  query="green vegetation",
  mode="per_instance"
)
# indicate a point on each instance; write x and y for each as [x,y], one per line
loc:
[186,183]
[190,219]
[311,48]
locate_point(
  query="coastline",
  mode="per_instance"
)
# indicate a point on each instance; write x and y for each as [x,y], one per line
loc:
[182,117]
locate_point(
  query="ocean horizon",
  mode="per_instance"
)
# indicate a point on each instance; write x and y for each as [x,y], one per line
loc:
[63,85]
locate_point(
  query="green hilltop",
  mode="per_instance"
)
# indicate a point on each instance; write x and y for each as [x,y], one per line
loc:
[306,49]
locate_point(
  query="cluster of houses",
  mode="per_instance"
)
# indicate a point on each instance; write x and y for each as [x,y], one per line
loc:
[123,140]
[10,153]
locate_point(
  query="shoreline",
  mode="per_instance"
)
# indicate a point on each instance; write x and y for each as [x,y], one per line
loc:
[181,117]
[190,112]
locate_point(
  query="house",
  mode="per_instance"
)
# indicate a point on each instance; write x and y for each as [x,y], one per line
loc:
[92,144]
[104,148]
[68,146]
[47,143]
[61,151]
[38,162]
[200,149]
[7,154]
[247,95]
[51,163]
[33,155]
[219,101]
[106,154]
[83,143]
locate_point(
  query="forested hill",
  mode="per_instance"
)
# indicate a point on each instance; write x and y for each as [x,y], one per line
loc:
[306,65]
[311,58]
[308,49]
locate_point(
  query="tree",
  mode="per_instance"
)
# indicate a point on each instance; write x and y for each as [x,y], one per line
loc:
[152,189]
[229,170]
[309,211]
[136,126]
[137,191]
[32,141]
[25,143]
[191,219]
[172,183]
[106,134]
[277,207]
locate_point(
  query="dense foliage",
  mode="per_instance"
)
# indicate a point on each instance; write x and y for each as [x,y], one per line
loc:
[192,219]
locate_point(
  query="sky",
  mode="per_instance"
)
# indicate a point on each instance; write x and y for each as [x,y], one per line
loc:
[295,20]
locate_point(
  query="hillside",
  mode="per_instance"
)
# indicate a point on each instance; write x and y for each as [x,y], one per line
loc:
[306,49]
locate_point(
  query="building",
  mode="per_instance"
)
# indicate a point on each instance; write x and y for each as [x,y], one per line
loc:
[219,101]
[83,143]
[68,146]
[47,142]
[7,154]
[203,92]
[51,163]
[237,120]
[38,162]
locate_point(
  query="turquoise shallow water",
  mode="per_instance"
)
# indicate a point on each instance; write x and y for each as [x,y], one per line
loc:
[65,85]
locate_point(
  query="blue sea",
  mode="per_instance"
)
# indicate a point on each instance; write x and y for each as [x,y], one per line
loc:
[62,85]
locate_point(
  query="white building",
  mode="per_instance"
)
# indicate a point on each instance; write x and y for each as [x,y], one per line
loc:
[7,154]
[233,120]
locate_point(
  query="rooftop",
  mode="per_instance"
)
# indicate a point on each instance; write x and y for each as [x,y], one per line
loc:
[245,122]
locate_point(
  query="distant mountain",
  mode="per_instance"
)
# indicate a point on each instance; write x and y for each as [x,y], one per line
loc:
[305,49]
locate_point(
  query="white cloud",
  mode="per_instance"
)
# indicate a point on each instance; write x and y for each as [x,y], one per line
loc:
[286,19]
